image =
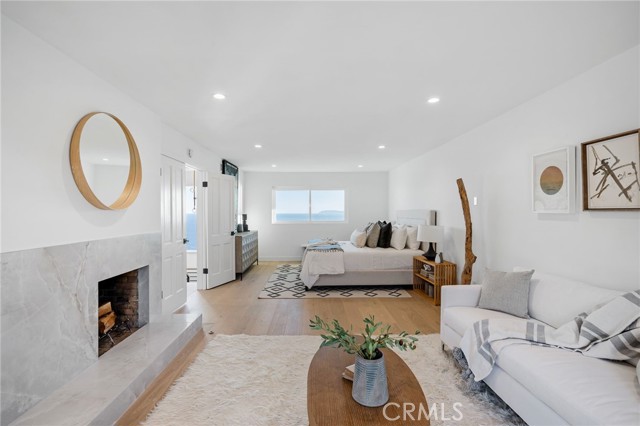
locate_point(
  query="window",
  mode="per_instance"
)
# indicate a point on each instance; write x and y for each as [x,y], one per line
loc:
[294,205]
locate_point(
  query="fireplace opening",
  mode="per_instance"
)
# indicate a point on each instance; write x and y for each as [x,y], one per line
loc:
[123,307]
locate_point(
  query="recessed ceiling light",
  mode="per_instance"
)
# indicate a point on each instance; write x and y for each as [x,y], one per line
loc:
[105,159]
[360,166]
[273,165]
[258,146]
[219,96]
[381,147]
[433,100]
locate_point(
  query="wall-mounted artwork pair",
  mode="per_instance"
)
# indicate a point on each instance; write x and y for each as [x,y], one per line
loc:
[610,175]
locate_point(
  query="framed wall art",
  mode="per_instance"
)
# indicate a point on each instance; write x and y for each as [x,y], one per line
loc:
[553,181]
[231,169]
[610,175]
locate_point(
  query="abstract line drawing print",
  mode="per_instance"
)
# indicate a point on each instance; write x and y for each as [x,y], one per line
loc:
[619,174]
[612,172]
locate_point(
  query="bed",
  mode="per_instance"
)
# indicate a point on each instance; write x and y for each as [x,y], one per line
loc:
[365,266]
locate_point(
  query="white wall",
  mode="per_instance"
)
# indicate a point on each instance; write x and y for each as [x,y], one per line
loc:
[366,195]
[602,248]
[44,94]
[176,146]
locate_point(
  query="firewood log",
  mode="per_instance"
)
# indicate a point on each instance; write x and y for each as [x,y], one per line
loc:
[106,322]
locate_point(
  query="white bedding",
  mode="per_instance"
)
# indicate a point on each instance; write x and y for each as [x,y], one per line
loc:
[354,259]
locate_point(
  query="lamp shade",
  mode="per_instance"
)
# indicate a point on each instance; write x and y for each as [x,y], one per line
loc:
[430,233]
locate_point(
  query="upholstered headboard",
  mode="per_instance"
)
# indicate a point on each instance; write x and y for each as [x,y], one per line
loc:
[416,217]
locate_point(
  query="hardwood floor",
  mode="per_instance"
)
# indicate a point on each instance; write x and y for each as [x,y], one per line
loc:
[234,308]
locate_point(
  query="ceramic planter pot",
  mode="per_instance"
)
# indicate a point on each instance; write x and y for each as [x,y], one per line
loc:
[370,382]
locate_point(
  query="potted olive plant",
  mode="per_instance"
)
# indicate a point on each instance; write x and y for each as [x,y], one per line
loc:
[370,376]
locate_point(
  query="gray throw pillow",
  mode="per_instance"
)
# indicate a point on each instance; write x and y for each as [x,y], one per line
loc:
[506,292]
[372,235]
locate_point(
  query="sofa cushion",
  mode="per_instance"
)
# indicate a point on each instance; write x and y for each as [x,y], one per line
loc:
[506,292]
[582,390]
[557,300]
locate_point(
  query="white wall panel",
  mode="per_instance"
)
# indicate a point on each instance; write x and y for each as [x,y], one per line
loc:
[44,94]
[599,247]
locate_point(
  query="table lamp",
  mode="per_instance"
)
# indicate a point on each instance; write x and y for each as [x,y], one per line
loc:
[433,235]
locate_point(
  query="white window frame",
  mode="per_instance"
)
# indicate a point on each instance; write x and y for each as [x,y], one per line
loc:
[310,190]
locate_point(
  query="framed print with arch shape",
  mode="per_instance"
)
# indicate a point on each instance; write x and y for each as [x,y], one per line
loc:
[553,181]
[610,175]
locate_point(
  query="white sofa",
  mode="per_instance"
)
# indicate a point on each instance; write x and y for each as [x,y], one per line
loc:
[550,386]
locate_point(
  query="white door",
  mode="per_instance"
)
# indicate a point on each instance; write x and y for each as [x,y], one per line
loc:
[174,259]
[220,223]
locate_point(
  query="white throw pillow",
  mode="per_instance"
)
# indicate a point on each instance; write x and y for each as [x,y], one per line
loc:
[358,238]
[412,238]
[399,238]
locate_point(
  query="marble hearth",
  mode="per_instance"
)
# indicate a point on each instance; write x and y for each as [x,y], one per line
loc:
[49,312]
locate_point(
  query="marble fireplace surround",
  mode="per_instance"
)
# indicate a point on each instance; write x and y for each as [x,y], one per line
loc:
[49,311]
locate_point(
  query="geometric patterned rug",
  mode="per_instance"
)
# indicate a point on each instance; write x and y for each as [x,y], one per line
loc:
[285,283]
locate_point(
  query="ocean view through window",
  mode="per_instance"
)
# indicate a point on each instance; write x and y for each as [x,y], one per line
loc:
[308,205]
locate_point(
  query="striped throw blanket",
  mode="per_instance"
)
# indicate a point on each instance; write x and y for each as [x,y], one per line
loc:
[611,331]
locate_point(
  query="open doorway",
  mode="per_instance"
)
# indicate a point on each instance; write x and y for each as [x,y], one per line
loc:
[191,228]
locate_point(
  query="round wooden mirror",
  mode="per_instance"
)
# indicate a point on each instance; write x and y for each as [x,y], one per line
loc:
[105,162]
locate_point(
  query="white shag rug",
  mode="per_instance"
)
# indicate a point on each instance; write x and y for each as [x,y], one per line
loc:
[262,380]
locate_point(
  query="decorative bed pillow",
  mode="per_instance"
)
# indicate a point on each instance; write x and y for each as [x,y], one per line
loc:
[399,237]
[372,235]
[412,238]
[384,241]
[359,238]
[506,292]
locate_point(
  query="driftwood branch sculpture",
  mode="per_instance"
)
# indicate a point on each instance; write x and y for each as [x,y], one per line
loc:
[469,257]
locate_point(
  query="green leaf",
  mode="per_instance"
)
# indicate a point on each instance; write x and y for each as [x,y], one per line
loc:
[337,335]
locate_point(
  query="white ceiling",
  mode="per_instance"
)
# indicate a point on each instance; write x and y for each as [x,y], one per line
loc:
[321,84]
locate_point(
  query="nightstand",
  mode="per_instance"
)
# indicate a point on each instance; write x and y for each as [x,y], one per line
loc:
[430,276]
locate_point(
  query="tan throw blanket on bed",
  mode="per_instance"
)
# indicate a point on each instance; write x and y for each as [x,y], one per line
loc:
[611,331]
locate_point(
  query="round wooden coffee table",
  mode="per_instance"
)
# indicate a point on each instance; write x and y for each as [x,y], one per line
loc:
[329,400]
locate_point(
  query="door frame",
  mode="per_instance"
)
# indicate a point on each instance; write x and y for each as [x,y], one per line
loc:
[201,225]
